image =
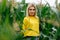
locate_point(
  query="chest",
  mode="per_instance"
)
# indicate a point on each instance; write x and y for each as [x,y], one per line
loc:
[33,21]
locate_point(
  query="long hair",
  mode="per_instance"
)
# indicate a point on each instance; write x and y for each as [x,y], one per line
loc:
[29,5]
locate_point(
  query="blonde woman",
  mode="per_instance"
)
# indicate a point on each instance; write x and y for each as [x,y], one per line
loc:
[31,23]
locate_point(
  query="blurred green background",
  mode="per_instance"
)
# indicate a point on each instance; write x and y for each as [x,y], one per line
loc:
[12,13]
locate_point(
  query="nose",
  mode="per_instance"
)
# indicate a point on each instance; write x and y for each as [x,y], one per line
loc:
[32,10]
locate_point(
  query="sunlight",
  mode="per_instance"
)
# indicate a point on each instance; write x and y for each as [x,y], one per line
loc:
[51,2]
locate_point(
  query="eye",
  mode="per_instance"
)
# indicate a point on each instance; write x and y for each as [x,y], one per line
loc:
[30,9]
[33,9]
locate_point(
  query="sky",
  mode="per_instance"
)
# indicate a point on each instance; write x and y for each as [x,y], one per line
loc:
[51,2]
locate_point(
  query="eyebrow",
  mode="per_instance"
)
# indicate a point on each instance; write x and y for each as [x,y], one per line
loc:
[31,9]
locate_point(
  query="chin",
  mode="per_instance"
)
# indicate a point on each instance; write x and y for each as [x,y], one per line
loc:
[32,14]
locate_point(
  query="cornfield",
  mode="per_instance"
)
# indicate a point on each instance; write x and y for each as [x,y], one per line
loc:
[9,15]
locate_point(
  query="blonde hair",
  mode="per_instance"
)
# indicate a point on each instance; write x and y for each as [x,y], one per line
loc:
[29,5]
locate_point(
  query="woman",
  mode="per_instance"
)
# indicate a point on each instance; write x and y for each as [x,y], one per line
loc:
[31,23]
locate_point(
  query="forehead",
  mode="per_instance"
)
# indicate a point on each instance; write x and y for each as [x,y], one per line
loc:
[31,7]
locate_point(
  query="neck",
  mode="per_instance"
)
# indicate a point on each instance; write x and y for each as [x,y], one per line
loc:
[31,16]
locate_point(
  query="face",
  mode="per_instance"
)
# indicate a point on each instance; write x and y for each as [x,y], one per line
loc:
[31,11]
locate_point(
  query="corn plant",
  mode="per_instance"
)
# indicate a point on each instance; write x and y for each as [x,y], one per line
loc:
[6,31]
[48,30]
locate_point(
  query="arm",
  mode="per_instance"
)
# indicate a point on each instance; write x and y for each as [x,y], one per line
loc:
[25,24]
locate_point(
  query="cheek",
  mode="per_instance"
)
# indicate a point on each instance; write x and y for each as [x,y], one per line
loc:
[34,11]
[30,12]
